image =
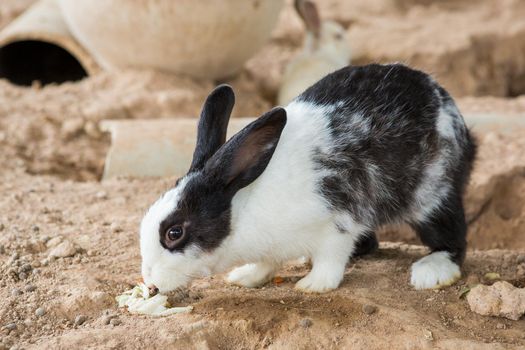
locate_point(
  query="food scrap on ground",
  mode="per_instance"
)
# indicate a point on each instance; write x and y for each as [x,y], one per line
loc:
[140,301]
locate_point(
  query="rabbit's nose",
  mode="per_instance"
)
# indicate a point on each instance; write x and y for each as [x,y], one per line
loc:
[153,290]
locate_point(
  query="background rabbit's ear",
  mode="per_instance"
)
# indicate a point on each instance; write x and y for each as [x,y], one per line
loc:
[213,124]
[308,12]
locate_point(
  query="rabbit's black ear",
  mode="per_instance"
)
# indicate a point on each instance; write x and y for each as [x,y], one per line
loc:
[310,15]
[213,124]
[245,156]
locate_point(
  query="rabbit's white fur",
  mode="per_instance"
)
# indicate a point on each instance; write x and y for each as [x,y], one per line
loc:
[320,56]
[265,228]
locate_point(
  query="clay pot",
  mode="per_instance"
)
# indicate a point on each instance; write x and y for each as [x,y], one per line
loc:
[200,38]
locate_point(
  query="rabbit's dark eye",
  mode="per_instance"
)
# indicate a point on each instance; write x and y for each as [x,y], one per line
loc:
[338,36]
[174,233]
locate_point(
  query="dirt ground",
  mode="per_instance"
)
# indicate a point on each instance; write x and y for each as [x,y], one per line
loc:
[52,202]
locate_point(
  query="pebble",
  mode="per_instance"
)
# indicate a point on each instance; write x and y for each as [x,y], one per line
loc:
[115,227]
[40,312]
[16,292]
[63,250]
[101,195]
[369,309]
[30,288]
[53,242]
[12,259]
[35,228]
[25,268]
[22,275]
[521,270]
[107,318]
[2,249]
[80,319]
[115,322]
[2,226]
[305,322]
[500,326]
[10,326]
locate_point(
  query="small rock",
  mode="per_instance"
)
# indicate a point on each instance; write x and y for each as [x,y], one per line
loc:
[30,288]
[13,258]
[115,227]
[519,259]
[520,272]
[28,323]
[16,292]
[500,326]
[53,242]
[72,127]
[500,299]
[92,130]
[107,319]
[369,309]
[35,263]
[22,276]
[80,319]
[2,249]
[26,268]
[2,227]
[63,250]
[101,195]
[428,334]
[10,326]
[35,228]
[115,322]
[305,322]
[40,312]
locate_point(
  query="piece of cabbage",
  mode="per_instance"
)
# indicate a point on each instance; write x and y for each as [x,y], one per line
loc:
[138,301]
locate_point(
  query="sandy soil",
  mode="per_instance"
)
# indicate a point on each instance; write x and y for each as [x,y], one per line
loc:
[52,156]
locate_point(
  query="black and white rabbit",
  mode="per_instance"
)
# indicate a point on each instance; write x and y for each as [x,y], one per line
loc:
[363,147]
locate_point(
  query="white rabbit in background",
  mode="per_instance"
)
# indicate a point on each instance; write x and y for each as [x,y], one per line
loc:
[326,49]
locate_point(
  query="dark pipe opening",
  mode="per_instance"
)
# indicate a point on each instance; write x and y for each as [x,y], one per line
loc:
[24,62]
